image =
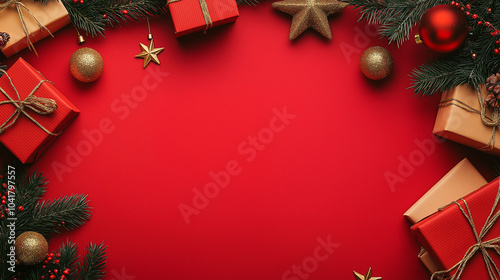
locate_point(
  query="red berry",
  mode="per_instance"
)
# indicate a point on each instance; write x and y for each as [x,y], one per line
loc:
[51,255]
[43,277]
[6,210]
[479,23]
[474,56]
[467,6]
[105,16]
[488,10]
[49,259]
[467,13]
[475,16]
[58,255]
[75,1]
[56,271]
[52,276]
[125,12]
[496,51]
[57,261]
[81,1]
[4,185]
[66,271]
[452,3]
[2,216]
[44,266]
[4,197]
[21,208]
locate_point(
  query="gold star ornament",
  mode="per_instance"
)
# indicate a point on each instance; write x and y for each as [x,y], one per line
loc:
[310,13]
[149,53]
[367,276]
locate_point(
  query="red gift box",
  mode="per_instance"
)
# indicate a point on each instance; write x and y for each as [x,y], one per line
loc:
[30,133]
[194,15]
[448,235]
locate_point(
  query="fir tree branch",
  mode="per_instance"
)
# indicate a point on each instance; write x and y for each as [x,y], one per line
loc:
[94,263]
[49,217]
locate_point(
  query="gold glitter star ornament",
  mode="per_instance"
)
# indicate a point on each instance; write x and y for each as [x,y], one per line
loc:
[310,13]
[368,276]
[149,53]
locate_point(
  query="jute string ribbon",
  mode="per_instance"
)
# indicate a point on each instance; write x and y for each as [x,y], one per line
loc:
[492,121]
[480,246]
[39,105]
[204,10]
[20,6]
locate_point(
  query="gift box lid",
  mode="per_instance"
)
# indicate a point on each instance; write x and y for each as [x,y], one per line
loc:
[25,139]
[458,182]
[447,234]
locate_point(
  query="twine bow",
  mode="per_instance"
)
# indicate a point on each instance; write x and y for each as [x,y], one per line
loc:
[39,105]
[20,6]
[204,10]
[480,246]
[492,121]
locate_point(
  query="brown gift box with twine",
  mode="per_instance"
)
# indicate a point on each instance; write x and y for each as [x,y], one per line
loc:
[463,118]
[461,180]
[27,22]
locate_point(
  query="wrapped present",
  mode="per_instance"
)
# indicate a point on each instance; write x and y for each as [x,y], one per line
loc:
[464,237]
[458,182]
[460,119]
[195,15]
[461,180]
[32,111]
[27,22]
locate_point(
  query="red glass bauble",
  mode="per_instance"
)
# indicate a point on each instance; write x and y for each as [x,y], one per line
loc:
[443,28]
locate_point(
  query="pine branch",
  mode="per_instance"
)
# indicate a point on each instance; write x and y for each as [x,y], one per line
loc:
[49,217]
[94,263]
[94,15]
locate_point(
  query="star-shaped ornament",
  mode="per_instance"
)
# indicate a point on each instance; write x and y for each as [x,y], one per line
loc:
[368,276]
[149,53]
[310,13]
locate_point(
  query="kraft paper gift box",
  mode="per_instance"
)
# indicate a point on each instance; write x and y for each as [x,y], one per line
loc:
[461,180]
[455,123]
[197,15]
[456,235]
[53,16]
[26,132]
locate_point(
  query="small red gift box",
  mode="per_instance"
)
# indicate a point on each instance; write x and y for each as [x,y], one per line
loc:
[194,15]
[449,237]
[28,122]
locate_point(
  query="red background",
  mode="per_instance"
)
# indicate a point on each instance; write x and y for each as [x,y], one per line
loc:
[323,175]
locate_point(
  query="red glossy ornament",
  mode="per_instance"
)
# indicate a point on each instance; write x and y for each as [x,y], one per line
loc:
[443,28]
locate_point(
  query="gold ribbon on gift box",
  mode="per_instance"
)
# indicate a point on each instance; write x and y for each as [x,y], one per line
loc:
[492,121]
[20,7]
[39,105]
[204,10]
[480,246]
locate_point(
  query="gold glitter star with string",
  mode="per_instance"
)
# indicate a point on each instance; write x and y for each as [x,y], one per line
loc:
[149,53]
[310,13]
[367,276]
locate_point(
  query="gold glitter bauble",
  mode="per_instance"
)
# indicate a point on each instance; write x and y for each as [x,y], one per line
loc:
[376,63]
[86,65]
[31,248]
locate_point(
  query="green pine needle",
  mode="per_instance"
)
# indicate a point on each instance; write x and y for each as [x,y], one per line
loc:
[94,263]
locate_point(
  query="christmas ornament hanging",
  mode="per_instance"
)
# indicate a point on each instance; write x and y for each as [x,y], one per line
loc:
[376,63]
[86,65]
[367,276]
[310,13]
[4,39]
[442,28]
[493,88]
[31,248]
[149,53]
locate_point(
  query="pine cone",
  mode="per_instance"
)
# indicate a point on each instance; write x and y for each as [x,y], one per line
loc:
[4,39]
[493,87]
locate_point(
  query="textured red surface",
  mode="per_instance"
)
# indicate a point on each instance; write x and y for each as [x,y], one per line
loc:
[316,177]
